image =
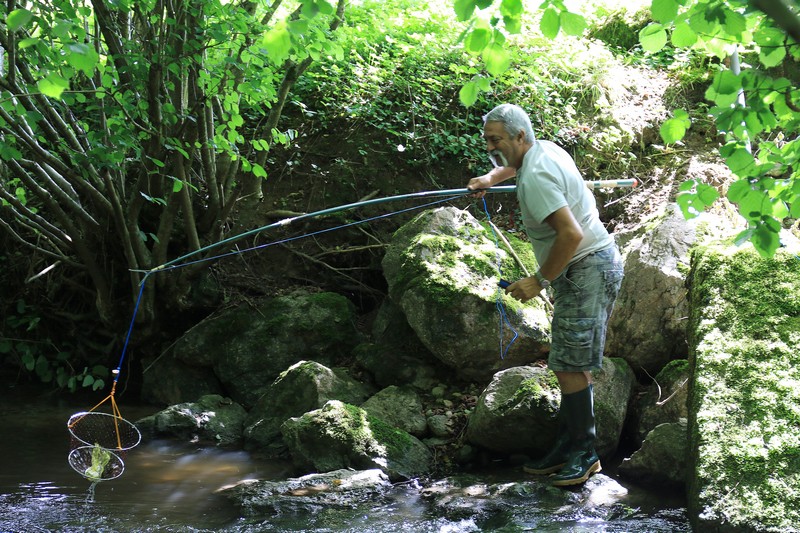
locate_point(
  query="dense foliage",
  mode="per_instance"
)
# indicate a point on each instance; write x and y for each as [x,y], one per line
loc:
[132,133]
[756,109]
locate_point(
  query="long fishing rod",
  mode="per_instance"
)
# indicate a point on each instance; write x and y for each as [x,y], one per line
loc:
[455,193]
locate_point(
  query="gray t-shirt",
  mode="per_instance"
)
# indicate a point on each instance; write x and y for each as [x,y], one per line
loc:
[548,181]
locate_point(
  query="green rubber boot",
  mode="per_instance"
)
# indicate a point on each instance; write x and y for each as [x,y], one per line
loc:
[557,457]
[583,460]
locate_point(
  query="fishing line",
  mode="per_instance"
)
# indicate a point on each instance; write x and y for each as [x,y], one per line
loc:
[501,309]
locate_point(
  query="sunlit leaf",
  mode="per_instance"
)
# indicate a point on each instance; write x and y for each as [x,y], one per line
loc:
[683,36]
[477,40]
[672,130]
[468,93]
[653,37]
[550,23]
[572,23]
[664,11]
[496,58]
[464,9]
[18,18]
[53,86]
[278,42]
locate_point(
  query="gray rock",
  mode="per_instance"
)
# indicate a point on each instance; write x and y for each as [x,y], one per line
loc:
[613,389]
[664,401]
[250,345]
[661,461]
[212,419]
[517,412]
[303,387]
[304,495]
[344,436]
[442,271]
[648,326]
[398,407]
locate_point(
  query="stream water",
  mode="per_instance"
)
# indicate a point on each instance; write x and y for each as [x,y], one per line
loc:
[171,487]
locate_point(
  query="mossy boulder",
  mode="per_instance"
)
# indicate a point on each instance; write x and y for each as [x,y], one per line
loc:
[340,435]
[303,387]
[249,345]
[744,419]
[212,419]
[442,269]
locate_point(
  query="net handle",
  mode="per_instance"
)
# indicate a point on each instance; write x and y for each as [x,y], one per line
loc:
[116,414]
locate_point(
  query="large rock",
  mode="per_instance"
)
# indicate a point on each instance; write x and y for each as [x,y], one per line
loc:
[344,436]
[613,389]
[661,461]
[305,495]
[442,271]
[648,326]
[517,411]
[212,419]
[248,346]
[744,442]
[303,387]
[664,401]
[399,407]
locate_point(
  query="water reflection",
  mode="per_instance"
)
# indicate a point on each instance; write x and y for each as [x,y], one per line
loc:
[170,487]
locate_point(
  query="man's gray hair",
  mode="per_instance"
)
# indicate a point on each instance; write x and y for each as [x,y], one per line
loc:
[514,120]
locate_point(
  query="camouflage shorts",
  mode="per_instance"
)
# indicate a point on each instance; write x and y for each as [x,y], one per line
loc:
[584,298]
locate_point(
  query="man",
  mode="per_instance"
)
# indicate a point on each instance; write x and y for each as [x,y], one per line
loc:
[578,259]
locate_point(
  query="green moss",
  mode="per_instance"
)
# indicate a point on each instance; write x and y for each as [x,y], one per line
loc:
[673,370]
[745,388]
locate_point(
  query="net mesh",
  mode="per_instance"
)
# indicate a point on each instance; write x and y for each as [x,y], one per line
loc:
[99,441]
[96,463]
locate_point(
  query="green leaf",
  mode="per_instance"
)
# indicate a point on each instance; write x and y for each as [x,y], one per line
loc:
[512,11]
[83,57]
[496,58]
[765,239]
[738,190]
[735,23]
[724,90]
[468,93]
[278,43]
[741,162]
[17,19]
[464,9]
[477,40]
[512,8]
[550,23]
[572,23]
[664,11]
[325,7]
[258,171]
[683,36]
[673,130]
[707,194]
[653,37]
[771,46]
[177,185]
[53,85]
[26,43]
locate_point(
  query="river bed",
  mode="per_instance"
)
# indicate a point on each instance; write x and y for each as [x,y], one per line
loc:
[167,486]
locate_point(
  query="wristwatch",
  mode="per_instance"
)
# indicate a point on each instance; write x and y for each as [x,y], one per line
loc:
[543,281]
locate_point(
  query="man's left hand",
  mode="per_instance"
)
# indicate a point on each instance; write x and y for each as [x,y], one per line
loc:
[524,289]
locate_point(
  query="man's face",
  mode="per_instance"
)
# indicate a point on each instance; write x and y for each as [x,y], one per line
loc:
[502,148]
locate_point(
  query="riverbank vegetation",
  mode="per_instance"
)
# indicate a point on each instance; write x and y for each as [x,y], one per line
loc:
[136,135]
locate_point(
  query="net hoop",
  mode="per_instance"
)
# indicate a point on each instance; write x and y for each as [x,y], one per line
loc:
[111,432]
[80,459]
